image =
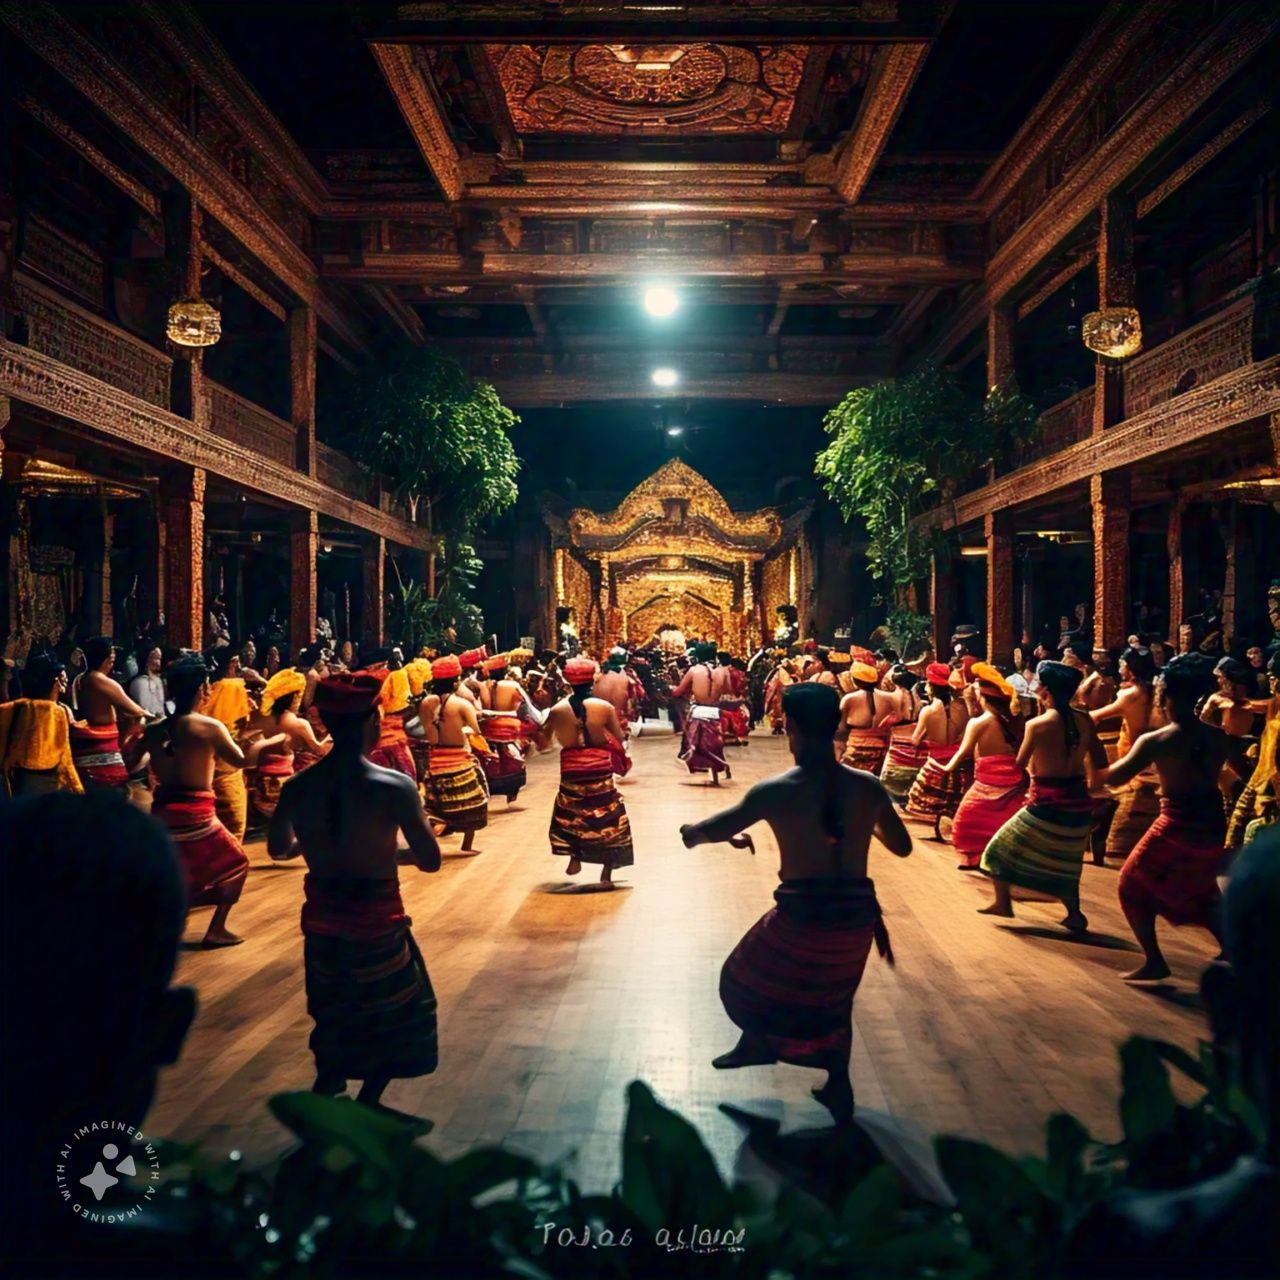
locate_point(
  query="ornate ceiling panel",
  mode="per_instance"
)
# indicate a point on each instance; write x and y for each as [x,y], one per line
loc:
[613,89]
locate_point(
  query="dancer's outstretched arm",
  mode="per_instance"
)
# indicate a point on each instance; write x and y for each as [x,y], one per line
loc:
[729,822]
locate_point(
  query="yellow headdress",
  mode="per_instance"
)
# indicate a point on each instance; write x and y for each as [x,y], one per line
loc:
[865,673]
[284,684]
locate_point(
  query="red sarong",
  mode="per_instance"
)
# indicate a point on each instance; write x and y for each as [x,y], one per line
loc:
[1173,869]
[270,774]
[505,767]
[215,864]
[702,749]
[936,794]
[95,751]
[999,790]
[392,751]
[733,722]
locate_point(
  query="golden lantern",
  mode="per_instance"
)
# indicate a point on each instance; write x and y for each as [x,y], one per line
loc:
[1115,332]
[194,323]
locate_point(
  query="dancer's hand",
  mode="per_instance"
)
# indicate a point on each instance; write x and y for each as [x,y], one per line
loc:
[689,834]
[743,841]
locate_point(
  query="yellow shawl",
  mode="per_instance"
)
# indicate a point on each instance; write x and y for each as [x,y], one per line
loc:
[35,734]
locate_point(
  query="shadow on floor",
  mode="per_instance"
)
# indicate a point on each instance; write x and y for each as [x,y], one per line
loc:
[590,886]
[1102,941]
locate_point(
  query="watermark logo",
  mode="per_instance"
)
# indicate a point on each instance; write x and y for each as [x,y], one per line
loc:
[107,1171]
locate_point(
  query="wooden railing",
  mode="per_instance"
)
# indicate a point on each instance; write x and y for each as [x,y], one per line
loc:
[244,423]
[78,338]
[342,473]
[1063,425]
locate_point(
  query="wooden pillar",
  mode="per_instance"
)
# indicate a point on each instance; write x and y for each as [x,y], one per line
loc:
[1230,530]
[1177,575]
[1116,217]
[304,547]
[1000,639]
[108,617]
[373,610]
[182,509]
[942,599]
[1109,497]
[182,256]
[1002,372]
[302,384]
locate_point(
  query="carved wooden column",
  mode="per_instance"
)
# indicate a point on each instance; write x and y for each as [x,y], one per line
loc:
[108,618]
[1109,496]
[304,547]
[1002,372]
[942,599]
[999,535]
[302,383]
[1116,217]
[182,507]
[182,254]
[1177,575]
[373,611]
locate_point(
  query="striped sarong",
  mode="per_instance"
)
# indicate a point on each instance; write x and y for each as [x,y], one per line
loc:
[214,862]
[505,768]
[1173,869]
[936,794]
[1042,846]
[999,790]
[95,751]
[1137,807]
[903,763]
[267,778]
[589,821]
[368,990]
[702,748]
[456,792]
[392,751]
[866,749]
[791,980]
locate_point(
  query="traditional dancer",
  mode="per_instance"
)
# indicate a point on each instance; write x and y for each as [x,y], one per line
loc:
[735,721]
[35,734]
[392,748]
[227,701]
[789,984]
[368,990]
[777,683]
[456,794]
[589,822]
[1259,802]
[702,747]
[1173,869]
[615,687]
[184,750]
[1042,846]
[936,794]
[500,699]
[999,787]
[867,715]
[1231,709]
[95,738]
[278,715]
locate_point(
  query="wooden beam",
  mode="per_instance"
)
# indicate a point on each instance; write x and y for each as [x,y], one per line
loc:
[302,385]
[402,315]
[422,115]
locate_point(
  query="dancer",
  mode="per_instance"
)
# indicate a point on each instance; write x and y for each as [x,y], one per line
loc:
[936,793]
[702,747]
[500,699]
[1173,869]
[455,794]
[999,787]
[589,822]
[614,685]
[281,698]
[1231,709]
[184,751]
[392,748]
[1042,846]
[1259,802]
[35,734]
[368,990]
[867,715]
[227,701]
[96,741]
[779,680]
[735,722]
[789,984]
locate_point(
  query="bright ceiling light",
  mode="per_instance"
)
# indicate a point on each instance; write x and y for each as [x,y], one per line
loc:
[665,377]
[675,431]
[661,301]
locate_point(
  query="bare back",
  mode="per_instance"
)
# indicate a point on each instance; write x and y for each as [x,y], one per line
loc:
[697,685]
[1188,757]
[868,708]
[99,697]
[564,727]
[1046,753]
[183,750]
[614,688]
[447,725]
[941,724]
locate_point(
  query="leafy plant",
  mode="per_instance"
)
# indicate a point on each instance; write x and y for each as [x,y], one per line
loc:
[908,632]
[895,445]
[449,620]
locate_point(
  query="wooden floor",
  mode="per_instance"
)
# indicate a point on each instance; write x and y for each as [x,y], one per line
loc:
[553,997]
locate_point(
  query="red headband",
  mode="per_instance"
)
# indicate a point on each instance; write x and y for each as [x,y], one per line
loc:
[472,658]
[347,694]
[447,668]
[579,670]
[937,673]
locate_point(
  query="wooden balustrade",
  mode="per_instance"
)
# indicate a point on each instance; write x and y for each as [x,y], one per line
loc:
[244,423]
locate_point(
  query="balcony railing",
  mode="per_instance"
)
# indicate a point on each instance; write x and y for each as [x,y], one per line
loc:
[1060,427]
[244,423]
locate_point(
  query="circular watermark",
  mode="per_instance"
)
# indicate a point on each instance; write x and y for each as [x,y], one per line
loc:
[108,1172]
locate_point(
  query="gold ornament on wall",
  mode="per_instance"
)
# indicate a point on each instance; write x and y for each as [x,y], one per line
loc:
[1115,332]
[194,323]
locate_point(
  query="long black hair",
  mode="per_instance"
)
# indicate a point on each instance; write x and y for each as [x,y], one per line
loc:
[578,695]
[1061,682]
[814,709]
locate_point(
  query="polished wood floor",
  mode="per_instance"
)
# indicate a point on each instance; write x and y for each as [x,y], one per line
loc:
[553,996]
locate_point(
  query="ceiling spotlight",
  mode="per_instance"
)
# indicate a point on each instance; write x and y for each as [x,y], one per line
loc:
[661,301]
[675,431]
[665,377]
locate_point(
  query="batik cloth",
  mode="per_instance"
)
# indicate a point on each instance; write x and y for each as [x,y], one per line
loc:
[998,791]
[1042,846]
[866,749]
[734,724]
[368,990]
[1137,807]
[35,747]
[935,793]
[392,750]
[903,763]
[212,858]
[791,980]
[456,792]
[589,821]
[1173,869]
[232,797]
[271,773]
[505,767]
[95,749]
[702,748]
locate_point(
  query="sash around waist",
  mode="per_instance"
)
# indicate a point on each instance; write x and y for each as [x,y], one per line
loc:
[586,760]
[358,907]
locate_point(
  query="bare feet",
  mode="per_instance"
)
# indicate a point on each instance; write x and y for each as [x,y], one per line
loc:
[746,1053]
[573,868]
[995,909]
[1075,921]
[837,1096]
[1151,971]
[221,937]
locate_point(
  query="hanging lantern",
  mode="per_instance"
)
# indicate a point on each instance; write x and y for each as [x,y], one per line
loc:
[1115,332]
[194,323]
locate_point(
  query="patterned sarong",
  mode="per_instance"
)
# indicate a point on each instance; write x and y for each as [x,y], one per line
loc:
[211,856]
[1137,807]
[368,990]
[392,751]
[734,725]
[268,777]
[702,748]
[1042,846]
[792,978]
[456,792]
[1173,870]
[999,790]
[420,750]
[589,821]
[505,767]
[903,763]
[232,796]
[866,749]
[936,794]
[95,750]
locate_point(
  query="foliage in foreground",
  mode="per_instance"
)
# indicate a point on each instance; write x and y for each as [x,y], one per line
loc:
[449,620]
[359,1197]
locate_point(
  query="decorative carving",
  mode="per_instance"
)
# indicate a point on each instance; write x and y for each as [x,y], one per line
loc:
[234,418]
[62,260]
[599,89]
[182,507]
[1000,602]
[404,75]
[1109,498]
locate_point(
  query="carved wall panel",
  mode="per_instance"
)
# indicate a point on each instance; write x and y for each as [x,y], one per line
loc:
[62,260]
[777,587]
[607,90]
[234,418]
